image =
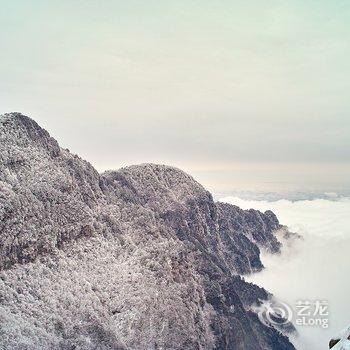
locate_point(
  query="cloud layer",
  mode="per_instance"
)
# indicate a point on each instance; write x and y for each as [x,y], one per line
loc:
[315,268]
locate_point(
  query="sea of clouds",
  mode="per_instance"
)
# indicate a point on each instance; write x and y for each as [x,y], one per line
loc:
[313,268]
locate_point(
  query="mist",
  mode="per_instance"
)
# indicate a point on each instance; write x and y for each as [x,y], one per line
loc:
[312,268]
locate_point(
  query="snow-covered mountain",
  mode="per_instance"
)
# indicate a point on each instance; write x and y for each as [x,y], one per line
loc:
[341,341]
[139,258]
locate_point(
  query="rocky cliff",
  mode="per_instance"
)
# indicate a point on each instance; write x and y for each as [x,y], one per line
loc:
[139,258]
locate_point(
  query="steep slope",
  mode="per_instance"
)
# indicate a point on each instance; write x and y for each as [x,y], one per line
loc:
[140,258]
[258,227]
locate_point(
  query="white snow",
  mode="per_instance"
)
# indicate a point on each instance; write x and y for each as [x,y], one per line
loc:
[344,343]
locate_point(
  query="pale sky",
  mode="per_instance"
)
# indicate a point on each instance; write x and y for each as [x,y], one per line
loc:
[235,92]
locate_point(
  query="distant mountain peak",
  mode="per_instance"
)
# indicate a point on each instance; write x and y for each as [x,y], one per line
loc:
[18,128]
[19,119]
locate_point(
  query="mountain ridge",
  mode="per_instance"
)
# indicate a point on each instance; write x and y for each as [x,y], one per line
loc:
[175,254]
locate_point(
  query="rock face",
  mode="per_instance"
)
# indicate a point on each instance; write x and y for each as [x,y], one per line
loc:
[341,341]
[140,258]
